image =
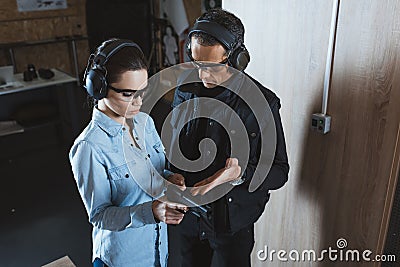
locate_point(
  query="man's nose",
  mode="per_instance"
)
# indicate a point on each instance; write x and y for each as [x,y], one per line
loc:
[203,73]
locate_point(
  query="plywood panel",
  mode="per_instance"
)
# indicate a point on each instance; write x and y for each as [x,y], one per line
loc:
[339,183]
[41,29]
[43,25]
[9,11]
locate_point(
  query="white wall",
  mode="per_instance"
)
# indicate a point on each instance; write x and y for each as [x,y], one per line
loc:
[340,184]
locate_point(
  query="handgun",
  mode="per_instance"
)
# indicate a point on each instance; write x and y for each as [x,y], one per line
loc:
[174,194]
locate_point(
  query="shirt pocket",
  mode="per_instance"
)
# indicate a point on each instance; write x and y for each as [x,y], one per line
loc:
[158,156]
[159,148]
[253,134]
[121,179]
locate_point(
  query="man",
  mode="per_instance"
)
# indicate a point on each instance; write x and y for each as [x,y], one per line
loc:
[204,130]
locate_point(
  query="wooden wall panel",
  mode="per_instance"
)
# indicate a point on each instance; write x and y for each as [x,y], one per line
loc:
[43,25]
[41,29]
[9,11]
[193,10]
[340,184]
[366,93]
[288,41]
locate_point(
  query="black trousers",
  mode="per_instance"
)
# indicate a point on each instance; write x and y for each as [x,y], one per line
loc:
[190,250]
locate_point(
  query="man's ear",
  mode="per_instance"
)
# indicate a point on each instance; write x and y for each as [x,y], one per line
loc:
[229,68]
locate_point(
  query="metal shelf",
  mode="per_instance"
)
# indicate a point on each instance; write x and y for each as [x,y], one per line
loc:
[63,39]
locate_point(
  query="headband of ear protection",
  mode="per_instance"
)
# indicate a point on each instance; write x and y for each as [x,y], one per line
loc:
[95,78]
[238,56]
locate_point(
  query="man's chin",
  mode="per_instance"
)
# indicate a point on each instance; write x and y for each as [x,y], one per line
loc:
[209,85]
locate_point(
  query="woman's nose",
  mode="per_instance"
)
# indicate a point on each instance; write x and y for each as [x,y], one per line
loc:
[138,101]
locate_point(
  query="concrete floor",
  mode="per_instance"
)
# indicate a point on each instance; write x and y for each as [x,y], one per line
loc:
[42,215]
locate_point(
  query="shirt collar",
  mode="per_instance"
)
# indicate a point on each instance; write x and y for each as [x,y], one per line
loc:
[108,125]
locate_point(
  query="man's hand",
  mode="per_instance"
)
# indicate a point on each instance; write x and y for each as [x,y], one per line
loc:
[231,172]
[168,212]
[177,179]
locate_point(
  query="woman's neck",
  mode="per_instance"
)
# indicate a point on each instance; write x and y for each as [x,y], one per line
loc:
[110,113]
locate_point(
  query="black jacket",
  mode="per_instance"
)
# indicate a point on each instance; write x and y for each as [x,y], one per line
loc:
[194,120]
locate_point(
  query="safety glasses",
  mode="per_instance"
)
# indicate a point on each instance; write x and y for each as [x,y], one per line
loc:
[209,66]
[128,95]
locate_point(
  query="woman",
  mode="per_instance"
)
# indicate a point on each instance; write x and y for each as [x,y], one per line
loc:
[118,163]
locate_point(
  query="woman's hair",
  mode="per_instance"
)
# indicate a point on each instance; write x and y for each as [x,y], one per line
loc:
[125,59]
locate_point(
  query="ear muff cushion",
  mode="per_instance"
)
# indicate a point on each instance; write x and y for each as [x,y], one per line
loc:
[242,60]
[239,58]
[96,84]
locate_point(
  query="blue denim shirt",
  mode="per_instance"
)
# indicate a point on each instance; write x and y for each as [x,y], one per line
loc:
[117,182]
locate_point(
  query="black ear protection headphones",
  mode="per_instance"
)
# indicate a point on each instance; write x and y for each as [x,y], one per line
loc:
[95,78]
[238,56]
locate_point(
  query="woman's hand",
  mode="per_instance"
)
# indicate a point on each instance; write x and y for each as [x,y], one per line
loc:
[177,179]
[168,212]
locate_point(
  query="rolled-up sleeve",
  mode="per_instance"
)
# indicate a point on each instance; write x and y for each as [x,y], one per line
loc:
[94,187]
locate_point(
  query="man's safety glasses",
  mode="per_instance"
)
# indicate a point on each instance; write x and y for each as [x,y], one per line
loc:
[209,66]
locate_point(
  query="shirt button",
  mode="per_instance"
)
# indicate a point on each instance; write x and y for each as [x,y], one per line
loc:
[131,144]
[137,138]
[126,175]
[253,135]
[211,123]
[233,131]
[203,234]
[208,153]
[123,128]
[230,199]
[160,242]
